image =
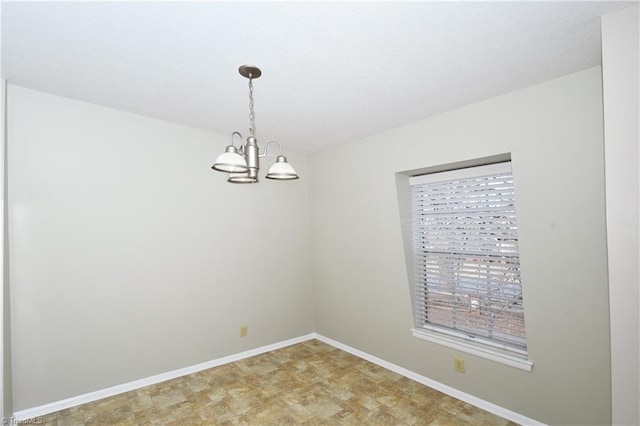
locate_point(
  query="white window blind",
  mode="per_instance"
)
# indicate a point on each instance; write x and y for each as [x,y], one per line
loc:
[467,276]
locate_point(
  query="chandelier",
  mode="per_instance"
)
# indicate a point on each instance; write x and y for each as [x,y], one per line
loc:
[243,163]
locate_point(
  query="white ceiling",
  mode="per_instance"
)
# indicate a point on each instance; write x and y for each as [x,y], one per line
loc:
[332,71]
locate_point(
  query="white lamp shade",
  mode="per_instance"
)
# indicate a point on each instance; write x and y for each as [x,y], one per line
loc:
[230,161]
[282,170]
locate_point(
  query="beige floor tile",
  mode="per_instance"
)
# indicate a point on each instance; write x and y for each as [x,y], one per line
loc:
[310,383]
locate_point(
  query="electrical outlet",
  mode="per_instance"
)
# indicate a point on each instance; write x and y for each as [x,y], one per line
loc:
[458,365]
[244,330]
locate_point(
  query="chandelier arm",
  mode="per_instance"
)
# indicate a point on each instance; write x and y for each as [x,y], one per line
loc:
[236,133]
[266,155]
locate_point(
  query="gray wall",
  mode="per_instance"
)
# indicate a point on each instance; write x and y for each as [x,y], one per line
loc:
[131,257]
[554,133]
[620,49]
[5,306]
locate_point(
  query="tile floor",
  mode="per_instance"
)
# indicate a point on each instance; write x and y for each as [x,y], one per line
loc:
[309,383]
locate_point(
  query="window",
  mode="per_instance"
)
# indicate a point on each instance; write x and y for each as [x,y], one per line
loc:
[467,267]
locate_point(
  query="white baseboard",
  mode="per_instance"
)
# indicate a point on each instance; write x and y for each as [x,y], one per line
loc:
[137,384]
[480,403]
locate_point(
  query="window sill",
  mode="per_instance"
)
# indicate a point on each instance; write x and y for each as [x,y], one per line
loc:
[451,342]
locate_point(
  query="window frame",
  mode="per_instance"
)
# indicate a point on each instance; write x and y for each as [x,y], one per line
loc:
[476,345]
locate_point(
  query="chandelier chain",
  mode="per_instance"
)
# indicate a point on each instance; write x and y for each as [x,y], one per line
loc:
[252,124]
